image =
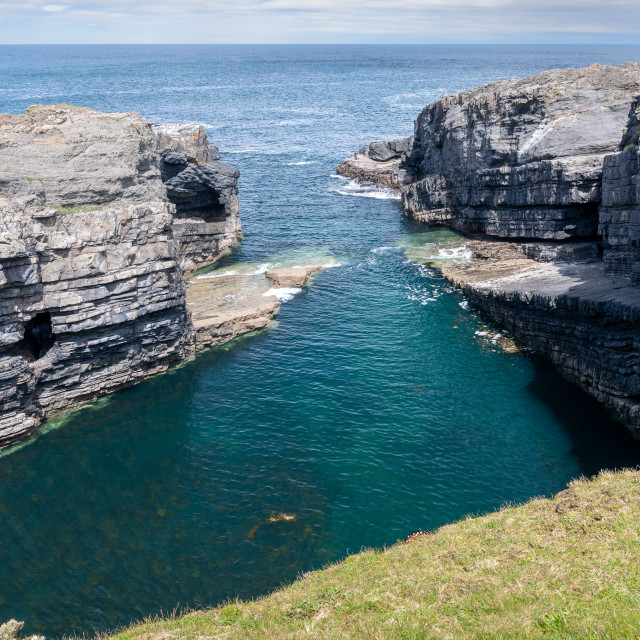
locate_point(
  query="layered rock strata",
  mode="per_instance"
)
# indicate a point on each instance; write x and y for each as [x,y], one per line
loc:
[295,277]
[227,306]
[619,216]
[551,162]
[381,163]
[93,249]
[203,190]
[586,322]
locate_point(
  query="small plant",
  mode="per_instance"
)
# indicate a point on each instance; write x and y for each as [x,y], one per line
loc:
[417,534]
[81,208]
[230,614]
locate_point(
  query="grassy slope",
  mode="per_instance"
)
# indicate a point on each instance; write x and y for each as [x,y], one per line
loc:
[568,567]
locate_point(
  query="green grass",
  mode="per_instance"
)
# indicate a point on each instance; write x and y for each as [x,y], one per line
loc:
[560,568]
[81,208]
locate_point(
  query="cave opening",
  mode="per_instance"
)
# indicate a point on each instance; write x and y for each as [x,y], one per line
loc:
[38,335]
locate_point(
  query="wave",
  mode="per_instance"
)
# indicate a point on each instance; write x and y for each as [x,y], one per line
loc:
[296,122]
[354,188]
[299,164]
[215,274]
[451,253]
[263,268]
[383,249]
[282,293]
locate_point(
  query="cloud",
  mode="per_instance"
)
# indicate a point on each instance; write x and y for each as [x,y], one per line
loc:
[313,21]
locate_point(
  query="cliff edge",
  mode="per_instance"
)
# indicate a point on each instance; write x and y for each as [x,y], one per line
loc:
[101,215]
[543,172]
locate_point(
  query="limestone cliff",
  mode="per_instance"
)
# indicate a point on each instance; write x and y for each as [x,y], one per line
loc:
[204,191]
[100,215]
[550,161]
[619,217]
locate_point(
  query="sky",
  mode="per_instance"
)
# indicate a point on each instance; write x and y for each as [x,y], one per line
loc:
[320,21]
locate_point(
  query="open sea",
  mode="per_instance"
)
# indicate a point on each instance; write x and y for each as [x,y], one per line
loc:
[379,404]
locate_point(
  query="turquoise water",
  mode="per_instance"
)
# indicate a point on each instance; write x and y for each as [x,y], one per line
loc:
[372,409]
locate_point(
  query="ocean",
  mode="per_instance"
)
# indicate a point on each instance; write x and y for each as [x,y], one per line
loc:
[380,403]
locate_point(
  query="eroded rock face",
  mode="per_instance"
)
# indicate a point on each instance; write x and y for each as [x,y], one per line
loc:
[106,291]
[521,158]
[203,190]
[619,216]
[93,252]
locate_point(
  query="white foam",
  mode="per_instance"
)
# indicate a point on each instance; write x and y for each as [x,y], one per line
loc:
[353,188]
[217,275]
[452,253]
[299,164]
[282,293]
[383,249]
[337,175]
[464,304]
[263,268]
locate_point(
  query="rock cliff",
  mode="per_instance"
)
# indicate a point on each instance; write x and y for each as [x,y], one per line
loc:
[551,162]
[100,216]
[203,190]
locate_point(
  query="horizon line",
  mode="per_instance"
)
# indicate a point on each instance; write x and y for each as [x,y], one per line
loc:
[321,44]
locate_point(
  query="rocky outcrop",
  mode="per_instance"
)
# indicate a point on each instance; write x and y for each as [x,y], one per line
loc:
[224,307]
[203,190]
[550,161]
[92,253]
[292,276]
[11,630]
[381,163]
[521,158]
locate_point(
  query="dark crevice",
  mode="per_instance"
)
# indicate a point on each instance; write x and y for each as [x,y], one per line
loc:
[38,335]
[189,188]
